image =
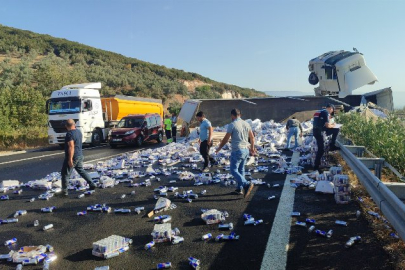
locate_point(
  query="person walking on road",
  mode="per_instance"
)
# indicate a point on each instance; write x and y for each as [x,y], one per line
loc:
[168,128]
[292,129]
[321,124]
[73,157]
[205,140]
[174,127]
[243,143]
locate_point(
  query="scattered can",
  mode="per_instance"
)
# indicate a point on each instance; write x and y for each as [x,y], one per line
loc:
[228,226]
[258,222]
[166,265]
[10,242]
[341,222]
[295,214]
[321,233]
[36,223]
[150,245]
[301,223]
[219,237]
[32,200]
[311,229]
[329,234]
[203,192]
[352,241]
[82,213]
[358,213]
[309,220]
[271,198]
[80,196]
[48,209]
[133,192]
[123,196]
[177,240]
[206,236]
[138,210]
[47,227]
[111,255]
[176,231]
[194,260]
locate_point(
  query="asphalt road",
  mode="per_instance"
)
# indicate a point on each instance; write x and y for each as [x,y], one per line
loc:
[72,236]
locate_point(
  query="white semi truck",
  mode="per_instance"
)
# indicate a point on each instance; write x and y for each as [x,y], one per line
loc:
[339,73]
[94,115]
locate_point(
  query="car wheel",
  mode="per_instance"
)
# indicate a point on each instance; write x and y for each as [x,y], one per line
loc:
[160,137]
[96,138]
[139,140]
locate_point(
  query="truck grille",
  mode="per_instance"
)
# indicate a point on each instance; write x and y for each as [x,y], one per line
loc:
[59,125]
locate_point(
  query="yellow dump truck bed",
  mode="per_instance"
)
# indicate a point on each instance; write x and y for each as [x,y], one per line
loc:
[117,107]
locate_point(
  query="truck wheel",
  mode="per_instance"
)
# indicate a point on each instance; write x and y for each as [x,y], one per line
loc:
[139,141]
[313,79]
[160,137]
[96,138]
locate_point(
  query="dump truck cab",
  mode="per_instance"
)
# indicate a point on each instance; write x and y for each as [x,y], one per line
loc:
[80,102]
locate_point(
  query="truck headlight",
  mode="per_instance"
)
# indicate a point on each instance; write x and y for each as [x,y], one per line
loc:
[129,132]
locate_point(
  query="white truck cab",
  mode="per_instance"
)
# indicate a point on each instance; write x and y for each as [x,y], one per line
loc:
[80,102]
[339,73]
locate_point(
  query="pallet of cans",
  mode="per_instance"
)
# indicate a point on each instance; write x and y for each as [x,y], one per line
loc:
[111,246]
[342,188]
[32,255]
[162,233]
[213,216]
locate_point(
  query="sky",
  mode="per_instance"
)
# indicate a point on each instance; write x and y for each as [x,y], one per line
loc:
[265,45]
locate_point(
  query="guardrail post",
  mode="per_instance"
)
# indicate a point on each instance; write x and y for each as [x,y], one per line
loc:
[374,163]
[356,150]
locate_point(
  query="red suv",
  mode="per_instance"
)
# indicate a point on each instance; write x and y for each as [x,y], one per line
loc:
[134,129]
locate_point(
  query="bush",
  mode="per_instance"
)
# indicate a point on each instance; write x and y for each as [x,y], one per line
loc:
[384,138]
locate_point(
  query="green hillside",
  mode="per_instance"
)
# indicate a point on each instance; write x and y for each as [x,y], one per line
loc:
[33,65]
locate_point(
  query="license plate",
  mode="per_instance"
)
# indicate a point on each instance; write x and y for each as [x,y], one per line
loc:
[117,140]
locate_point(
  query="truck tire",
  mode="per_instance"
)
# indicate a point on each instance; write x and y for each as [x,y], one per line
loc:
[139,141]
[160,137]
[96,138]
[313,79]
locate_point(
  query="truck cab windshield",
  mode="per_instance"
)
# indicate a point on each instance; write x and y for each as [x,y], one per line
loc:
[130,123]
[58,106]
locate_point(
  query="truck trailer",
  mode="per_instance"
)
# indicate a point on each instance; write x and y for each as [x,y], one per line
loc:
[94,115]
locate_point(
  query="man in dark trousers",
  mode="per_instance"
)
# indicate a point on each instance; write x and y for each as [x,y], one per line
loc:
[322,123]
[205,140]
[174,127]
[73,157]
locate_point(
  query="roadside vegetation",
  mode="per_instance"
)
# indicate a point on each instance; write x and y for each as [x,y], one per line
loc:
[33,65]
[384,137]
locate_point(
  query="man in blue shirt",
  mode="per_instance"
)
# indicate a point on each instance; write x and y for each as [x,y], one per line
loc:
[322,123]
[242,142]
[205,140]
[73,157]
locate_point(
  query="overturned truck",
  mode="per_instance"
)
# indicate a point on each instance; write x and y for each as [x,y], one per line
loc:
[276,108]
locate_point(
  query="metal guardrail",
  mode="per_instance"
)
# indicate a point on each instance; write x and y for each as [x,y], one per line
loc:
[389,204]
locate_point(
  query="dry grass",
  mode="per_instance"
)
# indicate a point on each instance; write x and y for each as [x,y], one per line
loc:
[394,247]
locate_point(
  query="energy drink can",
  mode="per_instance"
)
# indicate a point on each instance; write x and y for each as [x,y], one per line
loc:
[321,233]
[308,220]
[206,236]
[258,222]
[311,228]
[80,196]
[329,234]
[177,240]
[300,223]
[341,222]
[219,237]
[138,210]
[295,214]
[194,260]
[203,192]
[111,255]
[10,242]
[82,213]
[36,223]
[48,209]
[47,227]
[358,213]
[271,198]
[352,241]
[166,265]
[150,245]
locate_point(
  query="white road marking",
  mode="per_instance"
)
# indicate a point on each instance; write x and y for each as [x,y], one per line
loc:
[275,256]
[49,155]
[114,155]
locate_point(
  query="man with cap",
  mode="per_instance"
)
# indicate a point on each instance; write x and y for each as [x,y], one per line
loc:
[73,157]
[322,123]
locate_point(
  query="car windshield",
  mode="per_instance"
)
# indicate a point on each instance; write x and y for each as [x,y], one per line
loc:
[64,106]
[130,123]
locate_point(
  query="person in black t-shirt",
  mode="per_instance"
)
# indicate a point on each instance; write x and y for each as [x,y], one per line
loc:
[73,157]
[322,123]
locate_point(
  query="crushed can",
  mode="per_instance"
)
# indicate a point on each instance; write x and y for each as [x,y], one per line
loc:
[166,265]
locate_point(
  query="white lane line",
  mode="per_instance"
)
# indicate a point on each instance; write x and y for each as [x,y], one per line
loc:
[133,151]
[275,256]
[49,155]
